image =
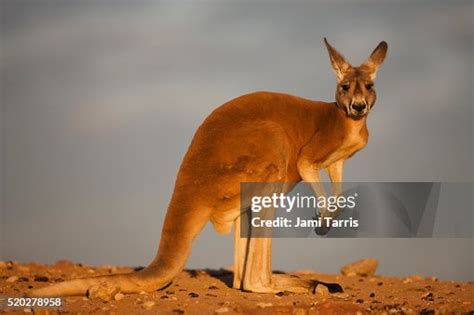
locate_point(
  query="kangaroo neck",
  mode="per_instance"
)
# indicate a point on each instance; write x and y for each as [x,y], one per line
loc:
[349,123]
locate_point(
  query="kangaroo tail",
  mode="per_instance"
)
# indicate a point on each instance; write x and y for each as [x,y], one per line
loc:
[179,230]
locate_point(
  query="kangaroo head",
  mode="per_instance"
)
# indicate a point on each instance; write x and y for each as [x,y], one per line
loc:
[355,92]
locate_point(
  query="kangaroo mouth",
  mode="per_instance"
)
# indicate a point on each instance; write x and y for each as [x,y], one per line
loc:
[357,115]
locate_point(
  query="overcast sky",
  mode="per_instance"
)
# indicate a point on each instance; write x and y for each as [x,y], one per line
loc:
[100,101]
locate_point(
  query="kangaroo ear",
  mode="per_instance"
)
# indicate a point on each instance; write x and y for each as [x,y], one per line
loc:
[339,64]
[377,57]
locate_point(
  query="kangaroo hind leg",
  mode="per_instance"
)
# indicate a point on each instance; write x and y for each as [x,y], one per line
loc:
[253,268]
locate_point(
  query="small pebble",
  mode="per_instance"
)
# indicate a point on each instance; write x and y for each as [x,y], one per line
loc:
[41,279]
[12,279]
[322,290]
[119,296]
[342,296]
[427,296]
[103,292]
[264,305]
[148,305]
[283,293]
[222,310]
[193,295]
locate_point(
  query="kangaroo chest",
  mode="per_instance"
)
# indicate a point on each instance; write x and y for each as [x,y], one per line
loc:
[344,147]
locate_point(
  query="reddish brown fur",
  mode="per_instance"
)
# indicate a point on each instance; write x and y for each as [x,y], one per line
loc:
[258,137]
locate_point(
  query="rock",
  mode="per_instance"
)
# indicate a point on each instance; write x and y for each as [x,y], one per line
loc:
[322,291]
[41,279]
[193,295]
[332,287]
[427,296]
[342,296]
[264,305]
[364,267]
[138,301]
[407,280]
[283,293]
[148,305]
[119,296]
[222,310]
[12,279]
[3,265]
[103,292]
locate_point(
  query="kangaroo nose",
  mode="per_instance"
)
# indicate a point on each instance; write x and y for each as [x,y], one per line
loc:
[359,107]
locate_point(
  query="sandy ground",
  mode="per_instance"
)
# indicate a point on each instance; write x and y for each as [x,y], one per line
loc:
[209,292]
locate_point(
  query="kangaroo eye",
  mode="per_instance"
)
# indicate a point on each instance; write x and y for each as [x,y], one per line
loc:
[345,87]
[369,86]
